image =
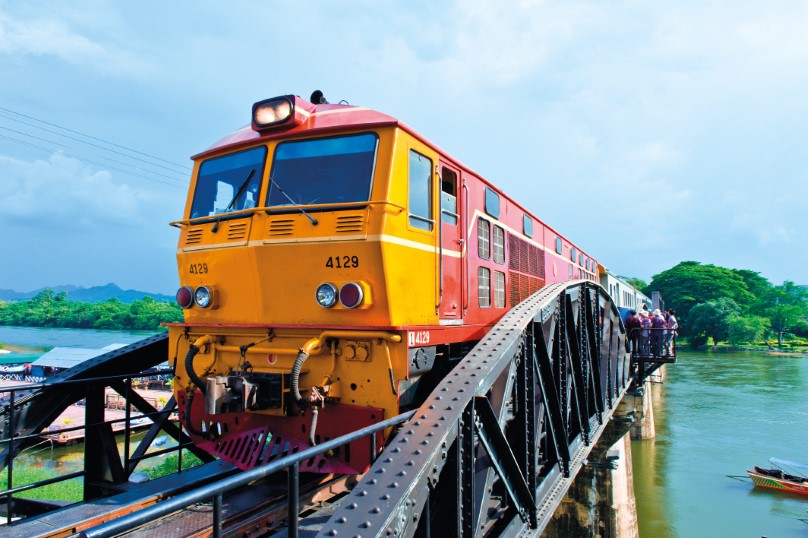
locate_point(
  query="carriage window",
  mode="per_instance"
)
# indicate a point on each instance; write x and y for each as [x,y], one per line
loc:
[420,191]
[448,196]
[484,287]
[229,183]
[527,225]
[483,239]
[499,245]
[559,245]
[499,289]
[491,203]
[323,170]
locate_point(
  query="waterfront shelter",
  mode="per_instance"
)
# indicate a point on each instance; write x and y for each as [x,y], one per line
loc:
[62,358]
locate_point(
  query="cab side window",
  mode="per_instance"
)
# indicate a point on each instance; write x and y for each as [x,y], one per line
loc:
[420,176]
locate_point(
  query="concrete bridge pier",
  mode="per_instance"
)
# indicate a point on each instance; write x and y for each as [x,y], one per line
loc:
[601,503]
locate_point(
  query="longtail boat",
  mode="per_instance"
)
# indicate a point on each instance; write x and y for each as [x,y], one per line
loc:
[780,480]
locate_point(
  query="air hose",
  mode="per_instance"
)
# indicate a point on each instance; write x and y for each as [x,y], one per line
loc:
[296,367]
[312,346]
[189,362]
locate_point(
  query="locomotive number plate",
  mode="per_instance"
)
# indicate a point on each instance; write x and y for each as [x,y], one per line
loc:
[418,338]
[198,268]
[340,262]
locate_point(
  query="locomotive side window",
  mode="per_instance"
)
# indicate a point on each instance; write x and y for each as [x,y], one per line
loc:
[483,238]
[229,183]
[573,254]
[581,259]
[499,289]
[499,244]
[323,170]
[420,191]
[484,287]
[448,196]
[527,225]
[559,245]
[491,203]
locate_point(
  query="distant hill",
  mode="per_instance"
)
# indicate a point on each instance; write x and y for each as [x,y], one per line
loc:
[95,294]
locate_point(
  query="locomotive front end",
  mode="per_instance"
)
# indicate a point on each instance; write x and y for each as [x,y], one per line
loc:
[289,337]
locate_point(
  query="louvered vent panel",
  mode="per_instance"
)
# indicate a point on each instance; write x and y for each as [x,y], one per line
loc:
[350,223]
[514,291]
[193,236]
[513,252]
[281,227]
[236,230]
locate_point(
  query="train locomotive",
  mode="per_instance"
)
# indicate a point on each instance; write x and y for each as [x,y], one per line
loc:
[334,265]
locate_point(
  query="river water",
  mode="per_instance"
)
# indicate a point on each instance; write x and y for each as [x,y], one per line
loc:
[717,414]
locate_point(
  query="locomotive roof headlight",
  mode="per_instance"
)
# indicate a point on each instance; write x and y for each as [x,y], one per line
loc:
[270,112]
[350,295]
[326,295]
[185,297]
[203,297]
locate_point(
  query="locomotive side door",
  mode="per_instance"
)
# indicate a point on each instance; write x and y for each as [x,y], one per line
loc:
[452,246]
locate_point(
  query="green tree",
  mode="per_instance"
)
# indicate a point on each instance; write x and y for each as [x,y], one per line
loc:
[786,306]
[712,318]
[638,283]
[746,329]
[690,283]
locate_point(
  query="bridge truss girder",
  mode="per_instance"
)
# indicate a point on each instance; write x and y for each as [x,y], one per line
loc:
[494,448]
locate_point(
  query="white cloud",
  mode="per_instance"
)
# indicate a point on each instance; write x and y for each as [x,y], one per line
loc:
[52,35]
[66,193]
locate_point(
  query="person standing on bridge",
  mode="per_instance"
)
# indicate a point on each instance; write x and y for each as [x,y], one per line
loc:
[633,330]
[672,326]
[658,326]
[645,334]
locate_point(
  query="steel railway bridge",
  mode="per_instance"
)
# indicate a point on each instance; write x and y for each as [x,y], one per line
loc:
[491,452]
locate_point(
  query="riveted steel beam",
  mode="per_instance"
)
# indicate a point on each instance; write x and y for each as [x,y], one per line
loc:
[496,445]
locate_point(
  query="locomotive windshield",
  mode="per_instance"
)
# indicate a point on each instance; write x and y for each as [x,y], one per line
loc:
[229,183]
[323,170]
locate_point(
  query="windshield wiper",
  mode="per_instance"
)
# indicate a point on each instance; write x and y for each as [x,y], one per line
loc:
[233,201]
[312,219]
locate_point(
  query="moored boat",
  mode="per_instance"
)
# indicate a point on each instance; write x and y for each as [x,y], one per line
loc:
[779,479]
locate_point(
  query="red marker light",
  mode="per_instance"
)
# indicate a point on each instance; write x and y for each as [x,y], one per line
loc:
[350,295]
[185,297]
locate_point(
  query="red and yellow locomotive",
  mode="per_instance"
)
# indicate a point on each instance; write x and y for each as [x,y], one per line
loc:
[334,264]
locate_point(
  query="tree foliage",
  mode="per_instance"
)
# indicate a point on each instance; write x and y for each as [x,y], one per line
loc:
[695,291]
[712,318]
[50,309]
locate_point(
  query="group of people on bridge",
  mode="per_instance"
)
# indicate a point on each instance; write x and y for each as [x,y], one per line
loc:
[652,334]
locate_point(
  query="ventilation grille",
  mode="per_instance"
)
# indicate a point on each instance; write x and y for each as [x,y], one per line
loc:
[193,236]
[237,230]
[350,223]
[523,286]
[281,227]
[525,258]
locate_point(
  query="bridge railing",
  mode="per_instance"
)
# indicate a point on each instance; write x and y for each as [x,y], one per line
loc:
[14,401]
[214,492]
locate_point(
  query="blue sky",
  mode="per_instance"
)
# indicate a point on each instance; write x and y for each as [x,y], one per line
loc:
[648,132]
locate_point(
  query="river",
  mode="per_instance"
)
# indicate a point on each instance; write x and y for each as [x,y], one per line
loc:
[717,414]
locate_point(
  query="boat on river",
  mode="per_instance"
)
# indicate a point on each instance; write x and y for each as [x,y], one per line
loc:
[786,476]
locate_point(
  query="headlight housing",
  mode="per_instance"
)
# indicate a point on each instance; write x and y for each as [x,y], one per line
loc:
[203,297]
[326,295]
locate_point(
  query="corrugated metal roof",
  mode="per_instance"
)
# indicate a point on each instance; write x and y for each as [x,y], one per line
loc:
[67,357]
